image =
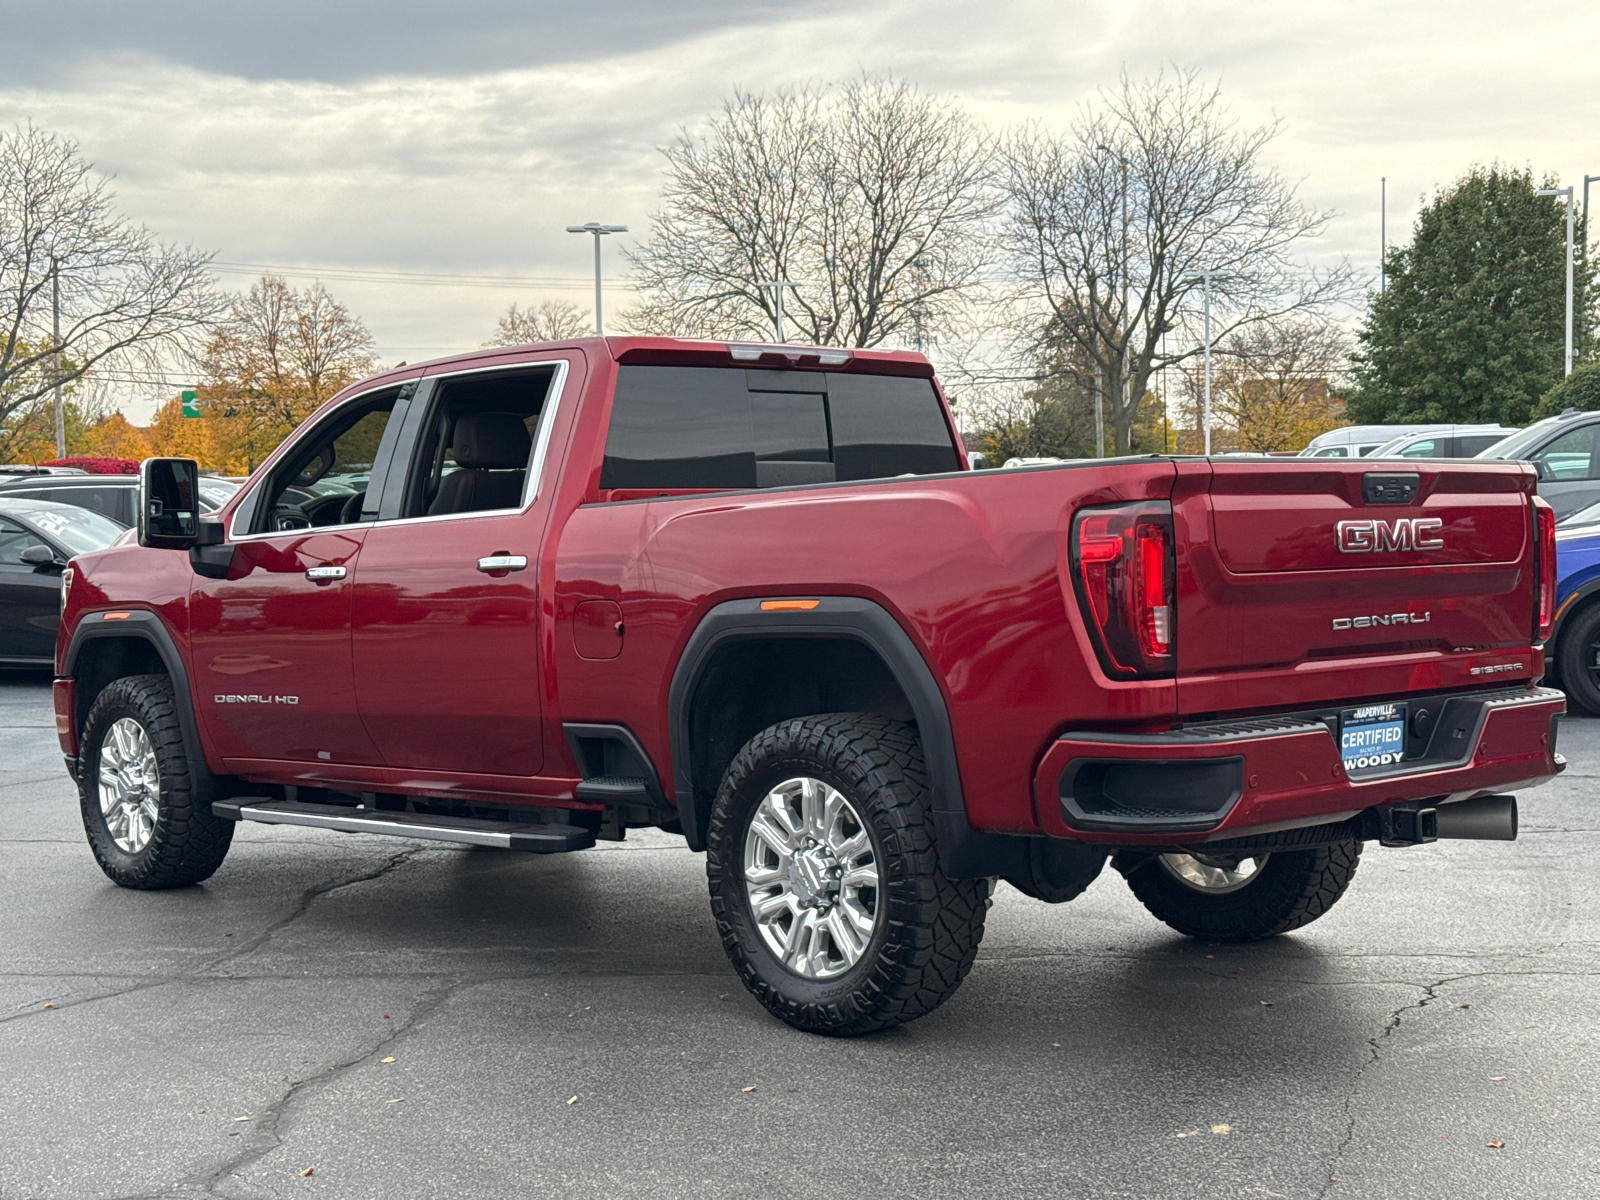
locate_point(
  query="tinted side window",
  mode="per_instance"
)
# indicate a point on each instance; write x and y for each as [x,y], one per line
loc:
[14,539]
[680,427]
[1472,444]
[1426,448]
[885,425]
[113,502]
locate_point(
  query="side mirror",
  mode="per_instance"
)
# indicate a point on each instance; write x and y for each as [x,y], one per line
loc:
[39,556]
[977,460]
[169,503]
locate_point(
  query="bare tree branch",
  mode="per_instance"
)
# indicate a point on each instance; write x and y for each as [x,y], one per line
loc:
[547,321]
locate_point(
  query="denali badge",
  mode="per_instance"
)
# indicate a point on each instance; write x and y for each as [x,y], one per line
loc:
[1390,619]
[1407,533]
[220,699]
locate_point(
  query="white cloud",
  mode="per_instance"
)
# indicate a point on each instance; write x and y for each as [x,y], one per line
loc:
[477,173]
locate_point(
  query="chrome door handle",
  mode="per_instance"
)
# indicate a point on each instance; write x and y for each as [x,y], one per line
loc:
[325,574]
[503,562]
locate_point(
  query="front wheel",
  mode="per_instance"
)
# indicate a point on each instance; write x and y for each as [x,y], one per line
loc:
[1238,898]
[146,823]
[825,881]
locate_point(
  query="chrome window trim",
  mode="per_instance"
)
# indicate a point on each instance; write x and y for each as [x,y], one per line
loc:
[536,461]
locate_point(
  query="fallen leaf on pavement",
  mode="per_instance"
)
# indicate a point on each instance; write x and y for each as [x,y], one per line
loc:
[572,1100]
[389,1059]
[1238,970]
[1497,1078]
[1222,1130]
[49,1005]
[308,1172]
[1495,1145]
[241,1119]
[395,1101]
[1056,1045]
[1463,1006]
[748,1089]
[1266,1004]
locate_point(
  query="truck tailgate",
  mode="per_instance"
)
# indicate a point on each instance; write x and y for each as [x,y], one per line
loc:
[1333,580]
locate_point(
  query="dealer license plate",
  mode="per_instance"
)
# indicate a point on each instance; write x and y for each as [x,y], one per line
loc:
[1372,736]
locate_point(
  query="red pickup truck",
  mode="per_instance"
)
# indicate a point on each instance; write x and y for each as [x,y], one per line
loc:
[756,595]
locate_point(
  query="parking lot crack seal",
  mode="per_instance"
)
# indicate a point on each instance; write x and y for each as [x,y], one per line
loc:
[1430,993]
[265,1136]
[307,898]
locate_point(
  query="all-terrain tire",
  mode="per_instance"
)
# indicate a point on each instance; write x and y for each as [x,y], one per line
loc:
[927,927]
[186,843]
[1580,637]
[1293,888]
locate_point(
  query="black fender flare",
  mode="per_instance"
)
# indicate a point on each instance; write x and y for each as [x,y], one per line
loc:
[964,853]
[146,626]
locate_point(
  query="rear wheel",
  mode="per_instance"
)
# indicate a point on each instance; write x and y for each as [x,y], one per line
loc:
[825,882]
[1239,898]
[1578,659]
[147,826]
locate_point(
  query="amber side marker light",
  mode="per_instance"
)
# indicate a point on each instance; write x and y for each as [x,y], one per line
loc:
[116,616]
[789,605]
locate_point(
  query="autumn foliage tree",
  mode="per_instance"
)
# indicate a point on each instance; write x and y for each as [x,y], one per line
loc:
[277,356]
[1271,386]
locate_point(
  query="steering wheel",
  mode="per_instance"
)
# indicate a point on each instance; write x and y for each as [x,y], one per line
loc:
[286,517]
[351,512]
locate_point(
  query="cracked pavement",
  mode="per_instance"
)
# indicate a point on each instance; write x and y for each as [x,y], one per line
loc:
[219,1040]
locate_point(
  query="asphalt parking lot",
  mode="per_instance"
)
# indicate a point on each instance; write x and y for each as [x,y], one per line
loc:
[349,1017]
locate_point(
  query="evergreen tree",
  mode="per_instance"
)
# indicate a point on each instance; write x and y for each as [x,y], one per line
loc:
[1471,326]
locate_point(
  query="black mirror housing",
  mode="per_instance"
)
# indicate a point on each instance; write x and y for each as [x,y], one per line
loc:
[169,503]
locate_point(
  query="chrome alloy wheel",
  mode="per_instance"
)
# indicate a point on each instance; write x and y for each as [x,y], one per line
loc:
[130,785]
[811,878]
[1213,874]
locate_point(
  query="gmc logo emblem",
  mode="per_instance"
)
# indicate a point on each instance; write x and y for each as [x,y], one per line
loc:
[1407,533]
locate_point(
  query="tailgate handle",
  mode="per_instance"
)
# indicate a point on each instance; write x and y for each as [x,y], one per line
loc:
[1389,489]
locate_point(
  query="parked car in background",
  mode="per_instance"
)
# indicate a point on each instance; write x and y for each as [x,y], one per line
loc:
[1572,653]
[1358,441]
[1565,452]
[1449,441]
[37,538]
[109,495]
[30,469]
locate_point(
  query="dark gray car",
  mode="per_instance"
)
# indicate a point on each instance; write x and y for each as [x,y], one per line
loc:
[1565,451]
[109,495]
[37,538]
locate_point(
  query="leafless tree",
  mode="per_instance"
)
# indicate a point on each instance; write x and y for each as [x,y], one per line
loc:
[125,298]
[1273,383]
[1197,197]
[546,321]
[874,200]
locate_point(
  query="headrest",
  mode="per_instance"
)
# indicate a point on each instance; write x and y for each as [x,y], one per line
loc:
[492,441]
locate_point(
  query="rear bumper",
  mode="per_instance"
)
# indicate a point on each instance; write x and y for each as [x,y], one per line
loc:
[1267,774]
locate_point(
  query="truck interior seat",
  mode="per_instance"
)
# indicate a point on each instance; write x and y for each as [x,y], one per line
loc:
[491,452]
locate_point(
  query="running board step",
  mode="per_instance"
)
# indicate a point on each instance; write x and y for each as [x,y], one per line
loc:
[468,831]
[614,789]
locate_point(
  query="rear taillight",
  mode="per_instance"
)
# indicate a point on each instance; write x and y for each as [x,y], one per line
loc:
[1122,571]
[1544,520]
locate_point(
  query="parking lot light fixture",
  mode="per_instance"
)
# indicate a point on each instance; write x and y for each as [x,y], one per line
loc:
[599,231]
[1567,192]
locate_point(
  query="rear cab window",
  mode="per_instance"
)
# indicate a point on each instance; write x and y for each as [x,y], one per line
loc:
[678,430]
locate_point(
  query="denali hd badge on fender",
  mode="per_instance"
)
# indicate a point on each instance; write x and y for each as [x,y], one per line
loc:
[1407,533]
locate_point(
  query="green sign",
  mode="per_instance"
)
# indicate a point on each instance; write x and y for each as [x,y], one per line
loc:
[191,406]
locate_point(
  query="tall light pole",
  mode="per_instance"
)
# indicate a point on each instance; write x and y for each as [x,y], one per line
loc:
[1123,381]
[777,286]
[55,324]
[1383,230]
[1567,192]
[1207,276]
[1587,180]
[599,231]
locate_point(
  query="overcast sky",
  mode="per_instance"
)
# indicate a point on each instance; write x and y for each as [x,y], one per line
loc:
[421,137]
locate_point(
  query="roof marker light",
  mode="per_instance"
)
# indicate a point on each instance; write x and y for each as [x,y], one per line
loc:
[752,352]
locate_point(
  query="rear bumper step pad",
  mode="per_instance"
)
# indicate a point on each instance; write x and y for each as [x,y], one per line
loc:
[467,831]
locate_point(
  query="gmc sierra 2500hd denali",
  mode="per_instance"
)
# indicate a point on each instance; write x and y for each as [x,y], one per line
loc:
[754,595]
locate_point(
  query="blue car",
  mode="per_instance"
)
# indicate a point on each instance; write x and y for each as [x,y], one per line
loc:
[1572,655]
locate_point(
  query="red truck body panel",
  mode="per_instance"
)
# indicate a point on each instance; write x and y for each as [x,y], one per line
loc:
[419,673]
